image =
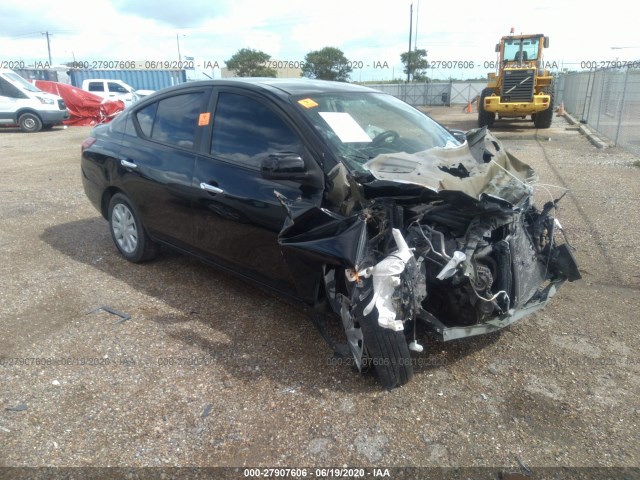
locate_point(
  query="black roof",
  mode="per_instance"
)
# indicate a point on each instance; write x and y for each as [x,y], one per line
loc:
[296,86]
[287,86]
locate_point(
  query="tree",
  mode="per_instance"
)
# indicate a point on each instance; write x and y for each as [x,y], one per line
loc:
[327,64]
[247,62]
[415,63]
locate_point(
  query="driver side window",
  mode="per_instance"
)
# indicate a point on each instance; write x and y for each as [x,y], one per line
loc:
[245,131]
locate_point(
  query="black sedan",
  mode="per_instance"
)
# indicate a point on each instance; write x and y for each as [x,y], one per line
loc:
[338,195]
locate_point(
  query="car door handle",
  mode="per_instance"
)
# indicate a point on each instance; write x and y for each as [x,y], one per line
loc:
[128,164]
[210,188]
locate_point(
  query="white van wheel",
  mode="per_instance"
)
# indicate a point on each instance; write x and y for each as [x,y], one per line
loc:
[30,123]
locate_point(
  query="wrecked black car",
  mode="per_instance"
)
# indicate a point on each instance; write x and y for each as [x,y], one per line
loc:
[340,196]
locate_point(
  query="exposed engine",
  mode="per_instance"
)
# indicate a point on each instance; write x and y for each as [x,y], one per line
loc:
[474,265]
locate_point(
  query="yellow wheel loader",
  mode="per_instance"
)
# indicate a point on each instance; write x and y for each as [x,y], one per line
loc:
[521,86]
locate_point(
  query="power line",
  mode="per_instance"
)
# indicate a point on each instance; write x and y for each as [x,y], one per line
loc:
[25,35]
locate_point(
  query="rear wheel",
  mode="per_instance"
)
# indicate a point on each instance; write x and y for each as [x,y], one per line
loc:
[127,231]
[485,119]
[30,123]
[543,119]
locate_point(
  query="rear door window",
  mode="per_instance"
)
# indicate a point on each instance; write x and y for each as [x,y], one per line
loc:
[173,120]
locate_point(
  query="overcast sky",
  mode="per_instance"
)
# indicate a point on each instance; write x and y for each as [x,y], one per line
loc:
[367,31]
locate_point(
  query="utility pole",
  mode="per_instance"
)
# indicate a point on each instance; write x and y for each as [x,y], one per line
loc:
[415,41]
[178,42]
[48,45]
[409,52]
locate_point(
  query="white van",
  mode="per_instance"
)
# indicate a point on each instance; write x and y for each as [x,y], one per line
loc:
[114,90]
[23,104]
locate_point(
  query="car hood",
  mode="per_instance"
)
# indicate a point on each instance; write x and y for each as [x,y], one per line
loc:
[45,94]
[478,168]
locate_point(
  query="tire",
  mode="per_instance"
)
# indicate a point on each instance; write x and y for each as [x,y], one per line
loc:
[388,352]
[127,231]
[543,119]
[485,119]
[30,123]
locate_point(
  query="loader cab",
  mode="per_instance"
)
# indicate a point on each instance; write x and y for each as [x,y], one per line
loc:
[522,51]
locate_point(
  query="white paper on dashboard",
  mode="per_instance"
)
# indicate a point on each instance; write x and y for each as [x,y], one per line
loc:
[345,127]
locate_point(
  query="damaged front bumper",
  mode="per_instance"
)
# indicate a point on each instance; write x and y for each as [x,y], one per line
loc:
[444,333]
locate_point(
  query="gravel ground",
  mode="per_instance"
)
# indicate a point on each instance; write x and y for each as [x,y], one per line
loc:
[209,371]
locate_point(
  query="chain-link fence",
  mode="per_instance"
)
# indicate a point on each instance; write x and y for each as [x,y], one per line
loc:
[608,100]
[433,94]
[465,92]
[417,93]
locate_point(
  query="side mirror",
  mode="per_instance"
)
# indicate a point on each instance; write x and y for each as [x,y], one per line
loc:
[546,42]
[459,135]
[283,166]
[497,48]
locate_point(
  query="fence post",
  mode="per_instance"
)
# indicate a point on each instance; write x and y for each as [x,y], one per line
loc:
[624,97]
[587,94]
[604,79]
[595,78]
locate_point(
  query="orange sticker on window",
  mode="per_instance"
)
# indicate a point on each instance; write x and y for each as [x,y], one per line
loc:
[203,119]
[307,103]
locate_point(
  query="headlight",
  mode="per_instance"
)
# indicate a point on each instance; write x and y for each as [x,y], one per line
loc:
[46,101]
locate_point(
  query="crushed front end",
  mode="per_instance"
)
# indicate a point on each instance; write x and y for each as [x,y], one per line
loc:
[449,237]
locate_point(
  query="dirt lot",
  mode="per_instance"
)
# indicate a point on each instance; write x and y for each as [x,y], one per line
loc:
[211,372]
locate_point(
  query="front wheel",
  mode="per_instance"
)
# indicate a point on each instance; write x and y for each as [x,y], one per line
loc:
[127,231]
[388,352]
[368,343]
[30,123]
[543,119]
[485,119]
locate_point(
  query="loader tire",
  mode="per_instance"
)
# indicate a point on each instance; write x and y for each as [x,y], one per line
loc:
[485,119]
[543,119]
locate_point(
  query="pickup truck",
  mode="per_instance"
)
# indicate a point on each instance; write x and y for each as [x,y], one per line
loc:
[114,90]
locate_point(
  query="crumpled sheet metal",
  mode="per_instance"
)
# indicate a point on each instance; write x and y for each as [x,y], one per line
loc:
[327,237]
[503,176]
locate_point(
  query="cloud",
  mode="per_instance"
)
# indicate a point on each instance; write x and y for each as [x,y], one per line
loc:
[172,12]
[23,20]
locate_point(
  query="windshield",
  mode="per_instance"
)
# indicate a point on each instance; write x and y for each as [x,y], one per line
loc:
[361,126]
[23,83]
[529,49]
